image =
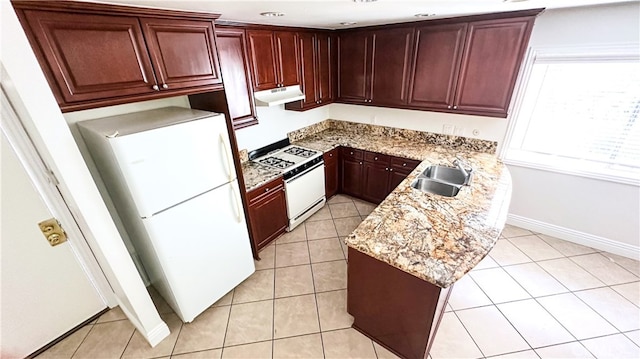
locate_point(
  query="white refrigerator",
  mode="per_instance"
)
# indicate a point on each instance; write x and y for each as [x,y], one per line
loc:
[172,179]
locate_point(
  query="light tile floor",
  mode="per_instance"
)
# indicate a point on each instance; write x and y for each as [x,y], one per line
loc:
[533,297]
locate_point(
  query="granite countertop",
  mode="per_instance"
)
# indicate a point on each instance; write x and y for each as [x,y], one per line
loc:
[435,238]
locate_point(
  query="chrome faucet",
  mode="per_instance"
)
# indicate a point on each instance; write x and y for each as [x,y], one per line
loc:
[465,168]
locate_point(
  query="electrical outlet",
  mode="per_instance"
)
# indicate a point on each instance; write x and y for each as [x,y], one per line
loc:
[458,131]
[447,129]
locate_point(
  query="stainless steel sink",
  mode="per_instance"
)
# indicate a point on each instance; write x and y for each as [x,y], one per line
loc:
[436,187]
[451,175]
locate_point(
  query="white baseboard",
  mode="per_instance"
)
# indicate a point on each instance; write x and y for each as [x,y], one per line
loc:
[585,239]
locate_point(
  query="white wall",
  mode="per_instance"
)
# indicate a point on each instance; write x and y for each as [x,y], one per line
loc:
[274,123]
[488,128]
[601,214]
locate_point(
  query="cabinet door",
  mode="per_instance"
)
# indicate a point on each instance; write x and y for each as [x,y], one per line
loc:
[492,57]
[308,68]
[263,59]
[332,179]
[351,181]
[183,52]
[436,63]
[267,213]
[354,66]
[91,57]
[287,61]
[391,62]
[376,181]
[324,76]
[234,64]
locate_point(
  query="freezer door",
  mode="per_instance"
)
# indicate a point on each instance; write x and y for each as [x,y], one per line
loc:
[168,165]
[202,247]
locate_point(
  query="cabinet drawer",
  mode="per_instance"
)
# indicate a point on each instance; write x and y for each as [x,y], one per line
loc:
[376,157]
[265,190]
[331,156]
[404,163]
[349,153]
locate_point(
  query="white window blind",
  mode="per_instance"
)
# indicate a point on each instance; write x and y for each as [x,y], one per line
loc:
[579,115]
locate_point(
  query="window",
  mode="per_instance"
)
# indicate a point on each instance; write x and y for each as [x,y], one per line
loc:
[579,113]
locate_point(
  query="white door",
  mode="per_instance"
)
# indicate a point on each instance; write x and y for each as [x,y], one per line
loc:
[168,165]
[44,290]
[204,247]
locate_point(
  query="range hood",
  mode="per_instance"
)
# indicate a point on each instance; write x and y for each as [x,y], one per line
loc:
[278,96]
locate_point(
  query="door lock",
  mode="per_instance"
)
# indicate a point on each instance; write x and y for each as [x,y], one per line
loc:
[53,232]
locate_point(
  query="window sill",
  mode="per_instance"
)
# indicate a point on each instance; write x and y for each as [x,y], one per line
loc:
[573,167]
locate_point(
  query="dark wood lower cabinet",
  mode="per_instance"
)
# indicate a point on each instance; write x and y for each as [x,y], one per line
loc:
[376,181]
[351,171]
[331,173]
[267,212]
[397,310]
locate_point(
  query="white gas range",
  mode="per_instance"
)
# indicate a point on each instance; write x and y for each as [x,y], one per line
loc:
[303,172]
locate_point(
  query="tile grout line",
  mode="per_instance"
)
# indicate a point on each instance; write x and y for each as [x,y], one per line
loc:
[315,294]
[129,342]
[82,342]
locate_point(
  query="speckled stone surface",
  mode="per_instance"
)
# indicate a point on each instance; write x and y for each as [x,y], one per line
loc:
[435,238]
[255,174]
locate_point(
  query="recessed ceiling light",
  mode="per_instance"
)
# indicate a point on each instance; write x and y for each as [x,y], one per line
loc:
[424,15]
[272,14]
[347,23]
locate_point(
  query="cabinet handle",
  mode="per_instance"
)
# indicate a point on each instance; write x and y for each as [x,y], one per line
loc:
[375,158]
[223,143]
[351,152]
[404,164]
[390,169]
[266,189]
[236,199]
[165,86]
[360,162]
[386,169]
[155,88]
[449,107]
[331,155]
[455,107]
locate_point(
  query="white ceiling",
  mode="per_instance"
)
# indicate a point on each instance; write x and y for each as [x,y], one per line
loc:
[330,13]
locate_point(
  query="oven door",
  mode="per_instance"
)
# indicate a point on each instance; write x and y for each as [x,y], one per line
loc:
[304,190]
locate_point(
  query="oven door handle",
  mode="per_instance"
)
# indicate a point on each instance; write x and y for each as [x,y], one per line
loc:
[305,172]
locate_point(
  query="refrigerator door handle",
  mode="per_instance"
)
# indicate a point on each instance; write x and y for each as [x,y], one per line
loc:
[236,199]
[226,153]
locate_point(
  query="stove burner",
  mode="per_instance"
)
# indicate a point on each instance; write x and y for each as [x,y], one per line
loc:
[276,162]
[301,152]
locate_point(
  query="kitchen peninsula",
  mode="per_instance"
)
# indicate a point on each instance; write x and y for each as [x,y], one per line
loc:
[406,255]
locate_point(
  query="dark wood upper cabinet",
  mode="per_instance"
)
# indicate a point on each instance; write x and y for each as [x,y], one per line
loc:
[96,55]
[316,66]
[391,65]
[236,101]
[288,59]
[325,58]
[183,52]
[374,66]
[466,65]
[436,64]
[355,51]
[263,59]
[91,57]
[493,53]
[274,58]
